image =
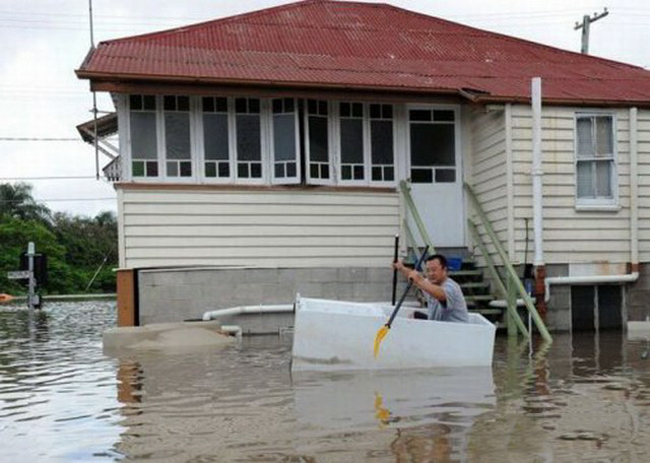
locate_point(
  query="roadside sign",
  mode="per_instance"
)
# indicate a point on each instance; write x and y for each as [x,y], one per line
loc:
[19,275]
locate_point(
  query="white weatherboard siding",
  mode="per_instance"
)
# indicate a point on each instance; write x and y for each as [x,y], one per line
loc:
[571,235]
[643,146]
[266,228]
[489,174]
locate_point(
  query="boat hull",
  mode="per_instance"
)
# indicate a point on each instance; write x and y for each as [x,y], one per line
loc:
[338,335]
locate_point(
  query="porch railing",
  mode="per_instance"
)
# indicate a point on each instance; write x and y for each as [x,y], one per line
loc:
[514,282]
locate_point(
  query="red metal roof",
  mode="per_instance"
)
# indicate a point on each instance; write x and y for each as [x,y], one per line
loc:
[323,43]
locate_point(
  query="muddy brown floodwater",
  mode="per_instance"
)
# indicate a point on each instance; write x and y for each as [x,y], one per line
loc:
[586,398]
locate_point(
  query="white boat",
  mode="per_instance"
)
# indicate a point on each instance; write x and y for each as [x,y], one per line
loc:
[339,335]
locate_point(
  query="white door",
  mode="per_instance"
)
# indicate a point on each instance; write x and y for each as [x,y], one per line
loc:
[436,173]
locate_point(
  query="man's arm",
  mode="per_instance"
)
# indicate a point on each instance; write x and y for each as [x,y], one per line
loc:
[421,282]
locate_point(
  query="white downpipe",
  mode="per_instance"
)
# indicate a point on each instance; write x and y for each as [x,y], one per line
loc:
[537,173]
[634,189]
[634,227]
[233,330]
[249,309]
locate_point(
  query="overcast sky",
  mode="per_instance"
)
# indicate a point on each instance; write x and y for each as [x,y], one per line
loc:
[44,41]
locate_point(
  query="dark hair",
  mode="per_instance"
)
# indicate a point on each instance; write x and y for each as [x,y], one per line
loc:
[440,258]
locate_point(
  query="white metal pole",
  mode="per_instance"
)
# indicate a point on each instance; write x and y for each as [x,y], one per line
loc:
[31,250]
[536,93]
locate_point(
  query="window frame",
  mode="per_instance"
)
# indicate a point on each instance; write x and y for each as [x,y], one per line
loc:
[128,166]
[331,141]
[458,158]
[597,203]
[271,143]
[200,136]
[162,148]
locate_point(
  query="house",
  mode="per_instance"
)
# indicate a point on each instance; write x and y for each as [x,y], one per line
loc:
[261,155]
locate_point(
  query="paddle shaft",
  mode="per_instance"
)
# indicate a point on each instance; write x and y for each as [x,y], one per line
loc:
[408,287]
[395,270]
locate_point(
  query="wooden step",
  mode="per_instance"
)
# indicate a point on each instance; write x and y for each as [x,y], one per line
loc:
[466,273]
[474,285]
[479,298]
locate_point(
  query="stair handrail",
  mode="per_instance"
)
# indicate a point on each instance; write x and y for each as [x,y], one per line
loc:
[411,207]
[501,287]
[539,323]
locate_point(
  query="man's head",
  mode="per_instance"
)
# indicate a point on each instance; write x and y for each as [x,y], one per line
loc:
[437,268]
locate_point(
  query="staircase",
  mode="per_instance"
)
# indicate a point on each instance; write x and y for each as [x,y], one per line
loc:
[477,291]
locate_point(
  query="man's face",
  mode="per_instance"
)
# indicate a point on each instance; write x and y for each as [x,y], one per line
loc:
[435,272]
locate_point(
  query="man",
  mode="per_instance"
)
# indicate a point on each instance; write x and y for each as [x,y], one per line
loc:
[444,297]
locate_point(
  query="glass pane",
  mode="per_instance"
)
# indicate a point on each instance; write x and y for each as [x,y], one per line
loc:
[288,105]
[583,132]
[183,103]
[313,171]
[604,179]
[277,106]
[222,105]
[344,110]
[421,176]
[291,169]
[224,169]
[256,170]
[215,136]
[387,111]
[248,138]
[172,169]
[138,169]
[389,174]
[346,172]
[443,115]
[352,141]
[152,168]
[585,180]
[381,142]
[604,135]
[376,174]
[169,103]
[210,169]
[375,111]
[242,170]
[149,102]
[318,146]
[240,105]
[420,115]
[254,106]
[433,145]
[324,171]
[143,136]
[186,169]
[445,176]
[358,173]
[208,104]
[135,102]
[279,170]
[177,135]
[284,137]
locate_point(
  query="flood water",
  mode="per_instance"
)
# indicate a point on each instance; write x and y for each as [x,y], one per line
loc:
[586,398]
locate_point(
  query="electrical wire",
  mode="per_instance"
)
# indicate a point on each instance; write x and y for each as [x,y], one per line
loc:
[19,179]
[58,200]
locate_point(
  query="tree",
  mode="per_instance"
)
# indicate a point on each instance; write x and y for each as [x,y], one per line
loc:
[16,201]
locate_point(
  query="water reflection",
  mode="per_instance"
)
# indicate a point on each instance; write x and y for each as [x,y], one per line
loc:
[585,397]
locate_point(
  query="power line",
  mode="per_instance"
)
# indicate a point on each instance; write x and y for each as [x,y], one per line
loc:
[57,200]
[38,139]
[19,179]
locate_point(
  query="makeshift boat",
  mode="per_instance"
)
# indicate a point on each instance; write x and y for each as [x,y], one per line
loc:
[339,335]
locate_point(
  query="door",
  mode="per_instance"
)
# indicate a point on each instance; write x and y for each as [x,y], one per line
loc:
[436,174]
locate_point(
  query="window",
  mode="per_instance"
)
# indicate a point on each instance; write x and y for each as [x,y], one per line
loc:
[178,152]
[382,163]
[318,141]
[248,138]
[351,142]
[216,148]
[595,159]
[144,145]
[285,141]
[433,145]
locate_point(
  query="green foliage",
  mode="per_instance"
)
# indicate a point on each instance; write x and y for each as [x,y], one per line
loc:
[76,247]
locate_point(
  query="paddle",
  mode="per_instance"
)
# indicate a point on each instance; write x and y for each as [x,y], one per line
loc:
[383,331]
[395,270]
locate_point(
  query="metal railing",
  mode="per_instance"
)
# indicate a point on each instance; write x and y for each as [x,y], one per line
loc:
[511,274]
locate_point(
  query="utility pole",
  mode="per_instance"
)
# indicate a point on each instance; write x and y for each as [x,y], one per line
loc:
[586,22]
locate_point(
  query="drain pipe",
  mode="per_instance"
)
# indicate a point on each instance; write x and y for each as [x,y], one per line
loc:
[537,174]
[249,309]
[634,228]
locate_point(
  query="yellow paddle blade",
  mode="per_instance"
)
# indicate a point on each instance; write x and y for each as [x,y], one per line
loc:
[381,334]
[381,413]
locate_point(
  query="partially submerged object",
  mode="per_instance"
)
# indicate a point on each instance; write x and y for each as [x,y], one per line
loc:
[339,335]
[166,336]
